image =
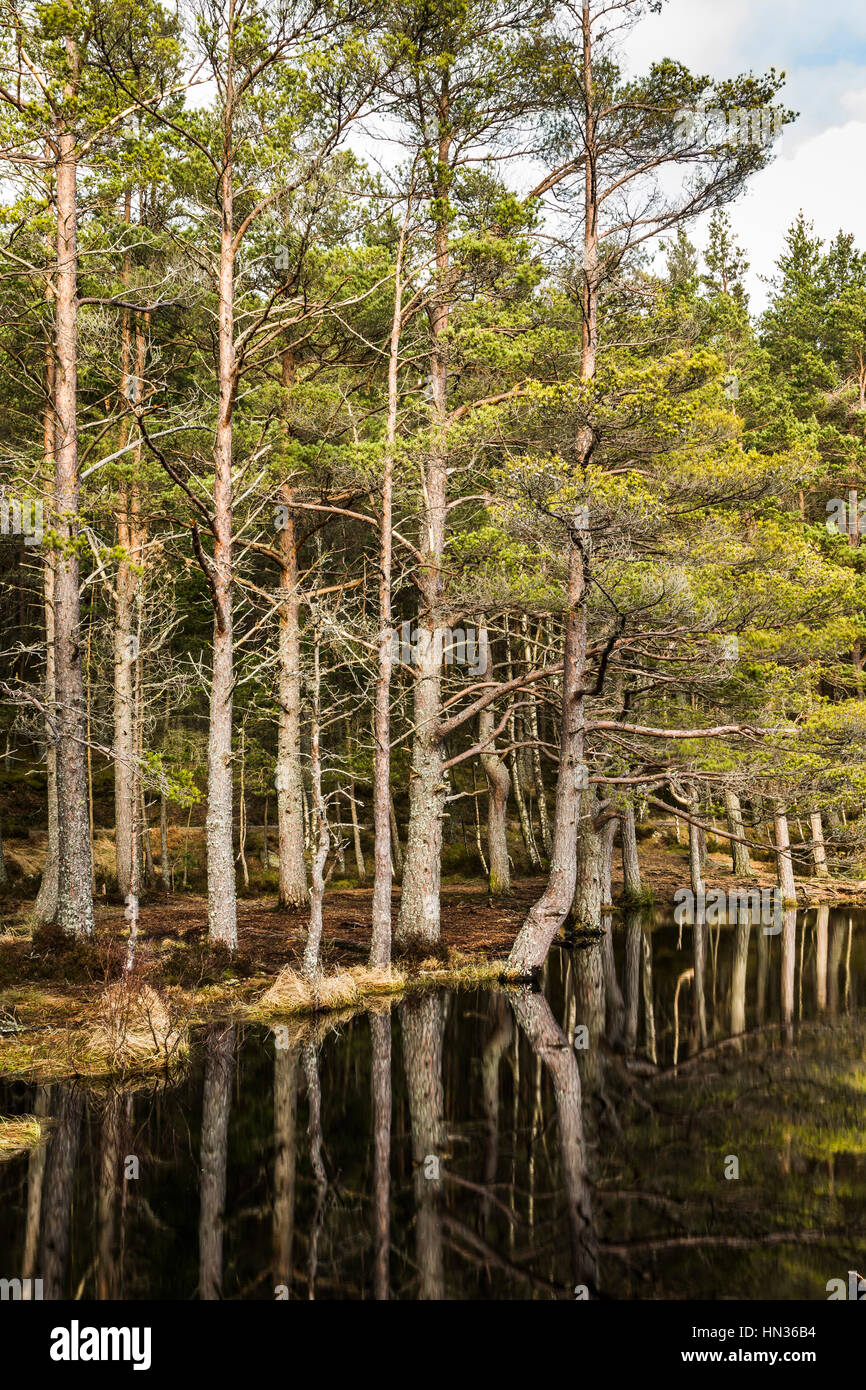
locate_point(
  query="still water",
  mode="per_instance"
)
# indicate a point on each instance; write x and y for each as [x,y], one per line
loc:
[677,1113]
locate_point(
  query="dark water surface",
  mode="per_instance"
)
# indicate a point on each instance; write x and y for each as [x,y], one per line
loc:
[461,1146]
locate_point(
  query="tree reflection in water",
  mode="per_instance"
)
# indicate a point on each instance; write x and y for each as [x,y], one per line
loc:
[469,1145]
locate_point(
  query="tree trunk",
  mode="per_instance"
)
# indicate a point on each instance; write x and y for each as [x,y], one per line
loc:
[125,668]
[242,806]
[221,888]
[360,866]
[608,835]
[310,966]
[784,862]
[266,849]
[164,860]
[74,899]
[383,804]
[631,880]
[130,539]
[290,789]
[395,837]
[523,814]
[45,907]
[695,858]
[547,915]
[498,785]
[418,924]
[589,887]
[819,853]
[538,778]
[739,852]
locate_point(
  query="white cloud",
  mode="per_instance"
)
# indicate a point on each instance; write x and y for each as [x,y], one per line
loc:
[823,178]
[822,50]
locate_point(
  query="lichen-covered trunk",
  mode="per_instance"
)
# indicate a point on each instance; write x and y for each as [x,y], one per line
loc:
[548,914]
[498,786]
[819,852]
[310,966]
[631,880]
[384,826]
[531,656]
[515,737]
[45,907]
[589,886]
[695,855]
[360,863]
[74,898]
[126,589]
[784,862]
[289,777]
[221,888]
[418,924]
[125,670]
[546,917]
[739,851]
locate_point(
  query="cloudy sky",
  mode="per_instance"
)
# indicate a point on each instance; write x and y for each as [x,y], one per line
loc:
[820,164]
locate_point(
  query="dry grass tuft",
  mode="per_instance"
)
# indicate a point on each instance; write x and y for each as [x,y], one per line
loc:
[135,1028]
[337,991]
[21,1134]
[291,993]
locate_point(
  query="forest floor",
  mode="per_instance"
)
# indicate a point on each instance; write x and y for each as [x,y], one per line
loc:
[53,990]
